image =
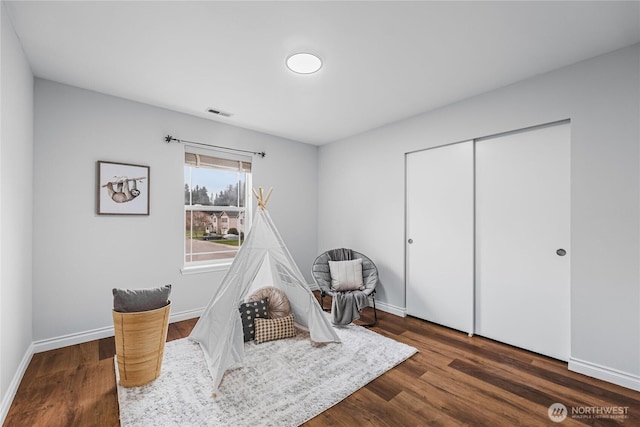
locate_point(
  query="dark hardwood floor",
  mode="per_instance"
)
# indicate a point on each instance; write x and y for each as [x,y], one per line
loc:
[453,380]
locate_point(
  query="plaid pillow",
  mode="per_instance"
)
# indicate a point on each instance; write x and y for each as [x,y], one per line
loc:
[249,311]
[274,329]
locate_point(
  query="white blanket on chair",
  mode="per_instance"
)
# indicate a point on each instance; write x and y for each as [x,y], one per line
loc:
[346,306]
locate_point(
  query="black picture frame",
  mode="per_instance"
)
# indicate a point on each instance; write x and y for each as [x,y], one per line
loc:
[122,188]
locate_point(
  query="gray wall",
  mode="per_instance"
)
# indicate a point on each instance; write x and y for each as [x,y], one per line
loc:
[16,187]
[361,197]
[80,256]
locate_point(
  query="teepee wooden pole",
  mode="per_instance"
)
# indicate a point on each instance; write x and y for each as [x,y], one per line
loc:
[256,193]
[266,200]
[262,200]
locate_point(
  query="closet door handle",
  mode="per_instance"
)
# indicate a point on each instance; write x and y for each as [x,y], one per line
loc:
[561,252]
[410,241]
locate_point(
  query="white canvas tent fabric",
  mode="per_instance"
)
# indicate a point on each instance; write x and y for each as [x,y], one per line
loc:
[263,260]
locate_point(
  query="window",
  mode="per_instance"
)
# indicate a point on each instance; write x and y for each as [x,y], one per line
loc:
[216,197]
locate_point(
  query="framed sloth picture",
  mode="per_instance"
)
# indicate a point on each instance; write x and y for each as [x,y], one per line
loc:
[123,189]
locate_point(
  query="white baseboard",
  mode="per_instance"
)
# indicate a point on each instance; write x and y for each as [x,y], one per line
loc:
[186,315]
[72,339]
[604,373]
[398,311]
[99,333]
[7,399]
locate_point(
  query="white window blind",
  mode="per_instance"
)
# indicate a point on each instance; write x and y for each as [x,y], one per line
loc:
[205,161]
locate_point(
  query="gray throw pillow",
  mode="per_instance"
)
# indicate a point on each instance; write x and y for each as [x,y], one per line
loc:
[133,300]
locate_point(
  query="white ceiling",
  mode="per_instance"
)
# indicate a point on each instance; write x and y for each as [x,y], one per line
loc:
[383,61]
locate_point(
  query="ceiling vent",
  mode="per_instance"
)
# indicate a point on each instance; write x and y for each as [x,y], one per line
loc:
[219,113]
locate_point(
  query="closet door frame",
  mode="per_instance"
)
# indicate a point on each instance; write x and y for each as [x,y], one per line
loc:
[474,287]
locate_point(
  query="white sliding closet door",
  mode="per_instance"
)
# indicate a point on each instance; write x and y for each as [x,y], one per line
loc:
[522,229]
[439,249]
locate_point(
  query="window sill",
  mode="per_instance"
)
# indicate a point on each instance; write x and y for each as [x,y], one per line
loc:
[211,268]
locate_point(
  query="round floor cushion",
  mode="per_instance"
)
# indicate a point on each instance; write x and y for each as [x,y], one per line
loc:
[278,305]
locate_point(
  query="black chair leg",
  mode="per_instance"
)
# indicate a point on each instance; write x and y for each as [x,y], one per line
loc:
[322,295]
[375,313]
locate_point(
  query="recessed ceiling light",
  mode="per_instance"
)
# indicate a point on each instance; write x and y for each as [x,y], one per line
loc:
[304,63]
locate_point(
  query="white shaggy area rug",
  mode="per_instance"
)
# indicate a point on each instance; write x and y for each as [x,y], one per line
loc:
[279,383]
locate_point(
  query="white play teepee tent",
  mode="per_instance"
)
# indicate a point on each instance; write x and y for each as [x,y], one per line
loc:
[263,260]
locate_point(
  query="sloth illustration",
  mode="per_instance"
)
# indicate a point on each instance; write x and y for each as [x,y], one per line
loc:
[123,193]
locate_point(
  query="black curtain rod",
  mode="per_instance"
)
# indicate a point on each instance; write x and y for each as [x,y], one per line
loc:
[169,139]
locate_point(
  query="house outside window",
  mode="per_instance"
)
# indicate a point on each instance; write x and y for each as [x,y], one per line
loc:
[217,196]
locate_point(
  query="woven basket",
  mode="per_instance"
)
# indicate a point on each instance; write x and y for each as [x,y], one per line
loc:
[140,339]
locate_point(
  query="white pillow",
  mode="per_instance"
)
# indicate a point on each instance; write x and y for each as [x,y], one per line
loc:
[346,275]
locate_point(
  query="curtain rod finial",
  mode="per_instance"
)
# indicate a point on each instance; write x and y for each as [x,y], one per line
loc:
[168,138]
[261,154]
